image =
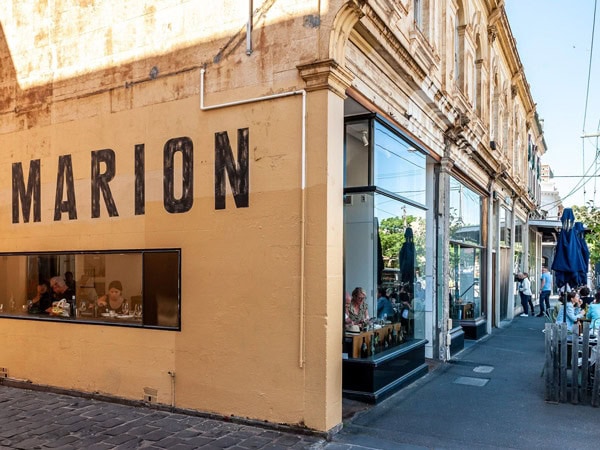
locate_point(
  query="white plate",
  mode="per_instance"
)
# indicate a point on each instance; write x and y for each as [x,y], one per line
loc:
[124,316]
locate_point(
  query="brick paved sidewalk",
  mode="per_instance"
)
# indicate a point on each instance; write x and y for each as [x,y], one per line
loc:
[38,419]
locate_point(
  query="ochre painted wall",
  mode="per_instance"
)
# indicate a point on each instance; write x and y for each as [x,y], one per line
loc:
[250,345]
[237,352]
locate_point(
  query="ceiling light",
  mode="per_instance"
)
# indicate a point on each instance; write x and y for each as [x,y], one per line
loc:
[365,138]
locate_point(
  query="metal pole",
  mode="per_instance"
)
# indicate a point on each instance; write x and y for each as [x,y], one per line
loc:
[249,29]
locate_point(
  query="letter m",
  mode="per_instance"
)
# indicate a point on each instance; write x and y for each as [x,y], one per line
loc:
[26,196]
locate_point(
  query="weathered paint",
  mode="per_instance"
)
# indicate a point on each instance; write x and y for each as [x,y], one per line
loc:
[102,155]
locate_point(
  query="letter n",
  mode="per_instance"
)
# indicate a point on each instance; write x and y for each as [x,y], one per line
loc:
[26,196]
[238,174]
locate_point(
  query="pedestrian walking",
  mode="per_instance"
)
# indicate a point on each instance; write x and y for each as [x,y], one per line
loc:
[525,293]
[545,291]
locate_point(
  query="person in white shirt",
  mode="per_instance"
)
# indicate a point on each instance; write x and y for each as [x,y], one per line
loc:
[525,293]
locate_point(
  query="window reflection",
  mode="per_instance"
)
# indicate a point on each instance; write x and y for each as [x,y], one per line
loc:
[465,253]
[465,213]
[464,283]
[384,239]
[357,153]
[399,167]
[401,231]
[505,225]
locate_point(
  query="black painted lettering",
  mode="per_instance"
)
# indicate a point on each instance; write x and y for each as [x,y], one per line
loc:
[26,196]
[238,174]
[140,182]
[65,178]
[186,147]
[100,182]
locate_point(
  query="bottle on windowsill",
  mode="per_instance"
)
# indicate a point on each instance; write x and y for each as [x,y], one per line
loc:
[364,351]
[373,344]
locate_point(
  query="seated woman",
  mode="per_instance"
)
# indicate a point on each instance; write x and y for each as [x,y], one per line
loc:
[357,312]
[574,312]
[42,302]
[593,312]
[114,300]
[584,294]
[385,310]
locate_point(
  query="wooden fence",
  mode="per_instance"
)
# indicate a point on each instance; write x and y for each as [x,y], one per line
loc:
[571,370]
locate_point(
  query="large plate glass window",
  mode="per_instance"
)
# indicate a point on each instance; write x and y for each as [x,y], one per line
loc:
[465,252]
[384,237]
[128,287]
[520,228]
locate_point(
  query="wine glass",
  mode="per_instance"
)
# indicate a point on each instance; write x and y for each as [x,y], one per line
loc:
[125,308]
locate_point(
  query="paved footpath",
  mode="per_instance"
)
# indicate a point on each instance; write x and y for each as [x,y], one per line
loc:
[491,396]
[41,420]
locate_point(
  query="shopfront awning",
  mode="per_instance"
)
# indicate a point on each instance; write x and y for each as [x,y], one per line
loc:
[548,228]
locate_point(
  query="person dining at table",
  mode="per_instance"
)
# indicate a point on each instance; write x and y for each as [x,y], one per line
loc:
[60,289]
[385,309]
[593,312]
[357,312]
[42,302]
[113,300]
[574,312]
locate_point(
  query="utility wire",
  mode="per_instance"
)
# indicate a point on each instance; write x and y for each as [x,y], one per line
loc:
[587,93]
[582,182]
[585,178]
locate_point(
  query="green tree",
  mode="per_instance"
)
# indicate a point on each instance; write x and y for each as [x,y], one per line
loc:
[391,233]
[590,217]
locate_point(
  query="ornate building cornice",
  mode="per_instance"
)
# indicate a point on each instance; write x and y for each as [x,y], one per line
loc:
[326,74]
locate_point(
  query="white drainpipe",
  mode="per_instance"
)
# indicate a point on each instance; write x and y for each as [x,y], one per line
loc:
[302,183]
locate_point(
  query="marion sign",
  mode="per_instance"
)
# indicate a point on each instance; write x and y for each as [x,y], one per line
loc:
[28,195]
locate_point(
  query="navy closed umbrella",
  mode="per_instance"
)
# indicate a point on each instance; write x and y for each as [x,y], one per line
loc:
[407,259]
[568,256]
[585,252]
[568,264]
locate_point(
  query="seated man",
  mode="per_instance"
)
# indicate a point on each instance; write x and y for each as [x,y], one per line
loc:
[42,302]
[60,289]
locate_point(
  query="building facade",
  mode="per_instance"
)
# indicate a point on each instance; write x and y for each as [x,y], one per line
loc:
[235,168]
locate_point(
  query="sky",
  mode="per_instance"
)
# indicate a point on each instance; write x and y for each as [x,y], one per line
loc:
[554,41]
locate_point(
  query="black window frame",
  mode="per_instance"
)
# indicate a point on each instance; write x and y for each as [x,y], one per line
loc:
[145,296]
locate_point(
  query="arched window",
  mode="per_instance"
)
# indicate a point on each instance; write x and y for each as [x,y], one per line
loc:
[494,134]
[505,131]
[456,51]
[418,13]
[459,47]
[478,79]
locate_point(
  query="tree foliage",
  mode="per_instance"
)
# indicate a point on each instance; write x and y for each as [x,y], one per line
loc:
[391,233]
[590,217]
